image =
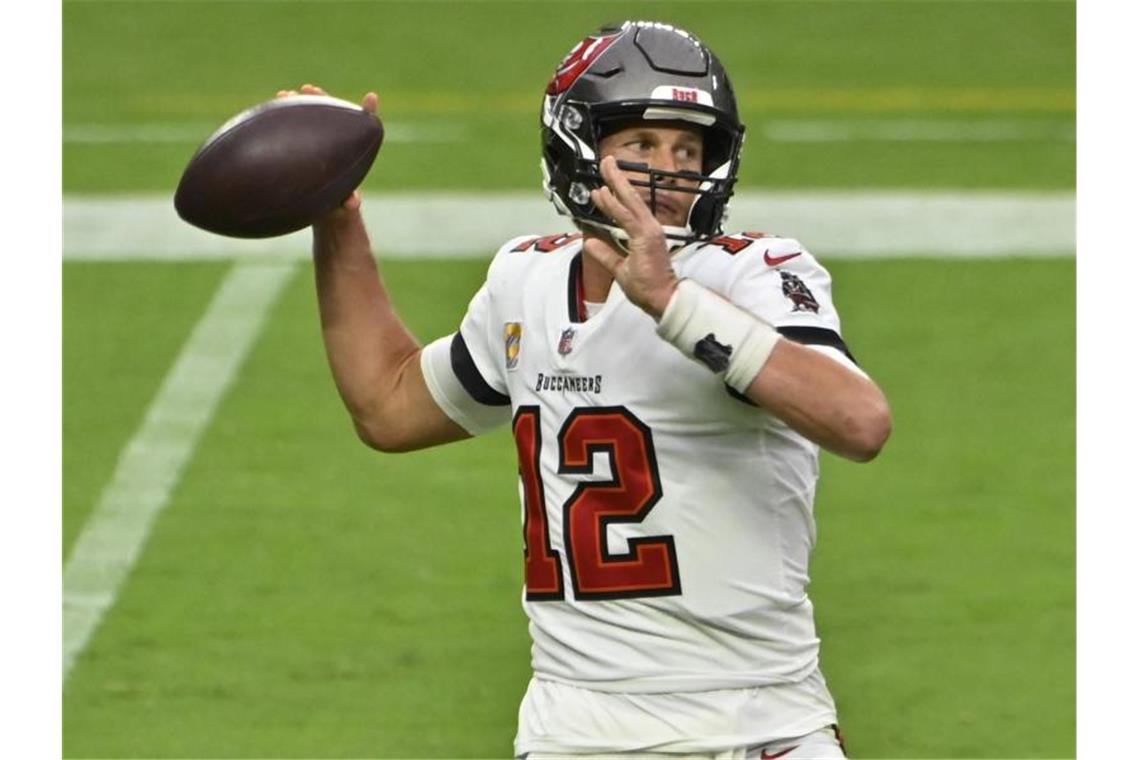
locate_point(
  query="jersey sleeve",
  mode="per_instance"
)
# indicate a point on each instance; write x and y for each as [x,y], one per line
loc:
[465,371]
[783,284]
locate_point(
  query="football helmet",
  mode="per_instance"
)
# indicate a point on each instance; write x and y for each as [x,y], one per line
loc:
[640,70]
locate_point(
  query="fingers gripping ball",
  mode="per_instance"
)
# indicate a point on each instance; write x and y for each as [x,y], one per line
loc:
[277,167]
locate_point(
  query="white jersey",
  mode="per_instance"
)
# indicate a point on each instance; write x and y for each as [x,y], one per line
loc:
[667,521]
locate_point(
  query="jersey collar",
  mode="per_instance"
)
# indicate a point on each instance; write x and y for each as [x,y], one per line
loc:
[575,291]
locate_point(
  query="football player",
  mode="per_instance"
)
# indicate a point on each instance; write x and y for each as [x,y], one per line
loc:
[668,385]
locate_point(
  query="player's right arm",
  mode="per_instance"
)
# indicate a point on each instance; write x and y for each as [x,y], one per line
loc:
[373,356]
[401,396]
[375,359]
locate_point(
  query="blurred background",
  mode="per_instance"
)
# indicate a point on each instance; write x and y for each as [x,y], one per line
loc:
[292,594]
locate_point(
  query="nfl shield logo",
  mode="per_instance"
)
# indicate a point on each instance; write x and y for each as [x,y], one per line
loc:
[566,342]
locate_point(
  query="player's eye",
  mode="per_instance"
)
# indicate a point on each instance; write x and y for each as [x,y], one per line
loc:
[687,154]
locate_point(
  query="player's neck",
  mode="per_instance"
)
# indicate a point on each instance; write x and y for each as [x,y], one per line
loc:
[596,281]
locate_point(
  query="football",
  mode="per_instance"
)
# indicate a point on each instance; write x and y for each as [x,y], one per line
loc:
[275,168]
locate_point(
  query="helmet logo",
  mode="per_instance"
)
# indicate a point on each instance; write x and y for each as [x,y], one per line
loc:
[577,61]
[681,94]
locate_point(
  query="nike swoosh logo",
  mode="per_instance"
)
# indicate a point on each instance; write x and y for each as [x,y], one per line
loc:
[764,754]
[773,261]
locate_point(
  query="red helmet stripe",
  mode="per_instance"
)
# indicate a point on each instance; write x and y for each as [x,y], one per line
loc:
[577,61]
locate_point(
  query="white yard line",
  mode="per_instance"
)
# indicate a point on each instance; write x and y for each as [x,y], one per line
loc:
[151,463]
[414,225]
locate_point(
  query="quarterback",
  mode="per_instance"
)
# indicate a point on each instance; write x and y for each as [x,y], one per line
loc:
[669,385]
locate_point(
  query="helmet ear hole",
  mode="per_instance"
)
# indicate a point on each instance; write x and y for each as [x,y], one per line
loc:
[579,193]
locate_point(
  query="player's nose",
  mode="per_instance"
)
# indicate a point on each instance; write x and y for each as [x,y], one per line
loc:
[663,160]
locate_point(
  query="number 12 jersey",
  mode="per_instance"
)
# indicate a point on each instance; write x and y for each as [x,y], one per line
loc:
[667,521]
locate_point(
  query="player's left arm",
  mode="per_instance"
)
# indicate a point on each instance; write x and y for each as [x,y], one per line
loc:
[831,404]
[843,411]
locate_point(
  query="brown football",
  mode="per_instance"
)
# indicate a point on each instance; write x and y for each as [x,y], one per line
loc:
[275,168]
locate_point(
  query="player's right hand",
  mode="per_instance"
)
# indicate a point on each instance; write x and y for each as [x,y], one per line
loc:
[370,103]
[646,273]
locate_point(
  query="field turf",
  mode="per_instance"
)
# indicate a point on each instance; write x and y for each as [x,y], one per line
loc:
[301,596]
[476,70]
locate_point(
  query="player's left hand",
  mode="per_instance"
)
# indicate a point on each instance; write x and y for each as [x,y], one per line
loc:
[645,274]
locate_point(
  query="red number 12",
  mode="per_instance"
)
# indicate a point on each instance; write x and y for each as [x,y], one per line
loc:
[649,567]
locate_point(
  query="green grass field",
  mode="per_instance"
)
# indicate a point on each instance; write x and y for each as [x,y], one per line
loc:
[302,596]
[481,67]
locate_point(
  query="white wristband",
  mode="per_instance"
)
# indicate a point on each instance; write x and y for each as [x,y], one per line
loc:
[716,332]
